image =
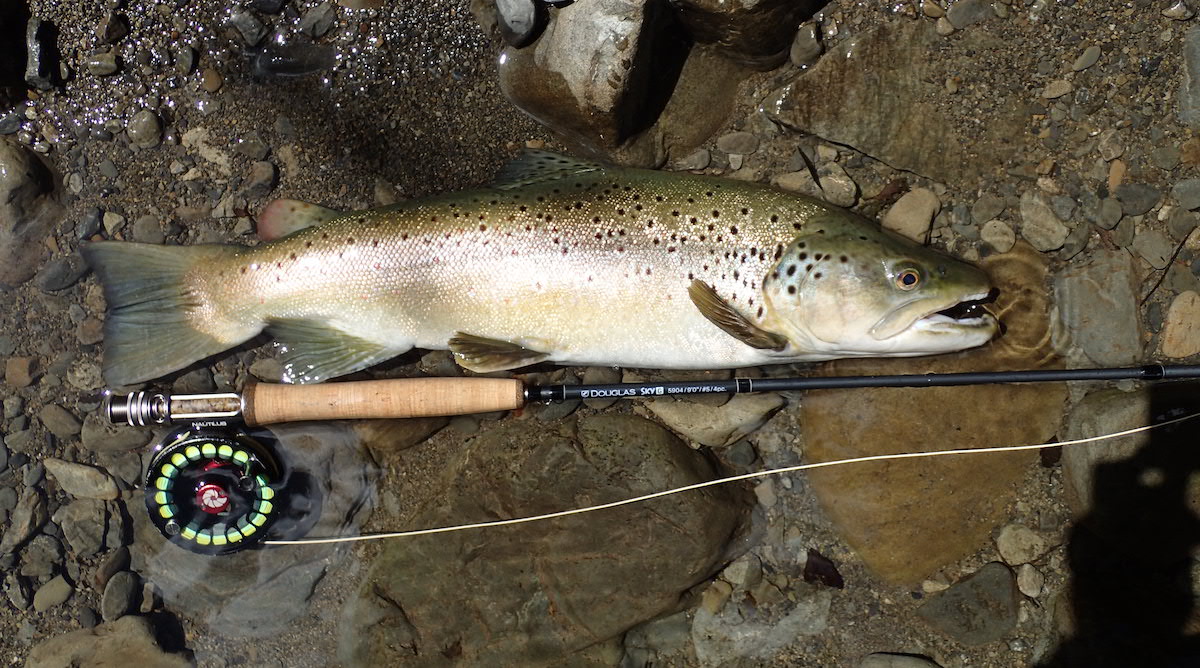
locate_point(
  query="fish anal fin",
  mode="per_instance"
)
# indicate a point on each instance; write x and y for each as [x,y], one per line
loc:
[315,350]
[720,313]
[533,166]
[285,216]
[483,355]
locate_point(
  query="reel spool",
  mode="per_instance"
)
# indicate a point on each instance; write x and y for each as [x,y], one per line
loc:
[212,491]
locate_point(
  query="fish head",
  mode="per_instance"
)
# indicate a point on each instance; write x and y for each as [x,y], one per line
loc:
[847,288]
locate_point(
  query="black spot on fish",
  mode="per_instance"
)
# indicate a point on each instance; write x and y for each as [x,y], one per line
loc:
[709,193]
[649,224]
[733,230]
[808,267]
[817,275]
[745,211]
[716,214]
[803,256]
[791,270]
[290,257]
[658,198]
[243,270]
[760,311]
[620,212]
[691,276]
[523,208]
[637,207]
[675,213]
[791,289]
[691,200]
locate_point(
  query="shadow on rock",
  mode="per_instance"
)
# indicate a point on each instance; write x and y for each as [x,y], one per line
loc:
[1131,600]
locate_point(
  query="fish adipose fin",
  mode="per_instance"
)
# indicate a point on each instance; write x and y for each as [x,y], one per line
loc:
[540,167]
[314,351]
[720,313]
[149,330]
[484,355]
[285,216]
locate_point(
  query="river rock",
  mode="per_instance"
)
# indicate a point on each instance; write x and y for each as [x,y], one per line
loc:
[908,518]
[969,12]
[145,129]
[912,215]
[129,641]
[55,592]
[1181,330]
[1154,247]
[717,426]
[729,633]
[1018,544]
[27,212]
[81,480]
[536,593]
[1137,198]
[587,75]
[888,78]
[1098,307]
[977,610]
[120,596]
[883,660]
[1189,88]
[59,421]
[83,522]
[757,33]
[999,235]
[1039,224]
[29,516]
[98,434]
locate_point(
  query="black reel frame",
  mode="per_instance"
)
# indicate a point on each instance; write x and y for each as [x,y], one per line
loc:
[212,488]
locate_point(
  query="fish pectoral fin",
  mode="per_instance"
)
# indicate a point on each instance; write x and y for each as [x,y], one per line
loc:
[483,355]
[720,313]
[540,167]
[314,350]
[285,216]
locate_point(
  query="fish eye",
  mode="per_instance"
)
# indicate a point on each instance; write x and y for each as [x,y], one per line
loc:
[908,279]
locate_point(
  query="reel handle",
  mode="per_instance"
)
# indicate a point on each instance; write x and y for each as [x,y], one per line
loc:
[267,403]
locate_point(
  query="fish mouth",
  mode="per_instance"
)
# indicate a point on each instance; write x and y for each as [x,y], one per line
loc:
[969,313]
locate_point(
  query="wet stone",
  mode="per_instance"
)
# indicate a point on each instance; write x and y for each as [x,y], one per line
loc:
[1178,11]
[87,618]
[146,230]
[114,562]
[108,168]
[969,12]
[80,480]
[211,80]
[1064,206]
[267,6]
[53,593]
[600,375]
[8,498]
[806,46]
[83,524]
[113,28]
[18,371]
[1086,59]
[999,235]
[40,558]
[698,159]
[1189,91]
[249,28]
[252,146]
[978,610]
[145,129]
[120,596]
[185,58]
[1030,580]
[517,20]
[1076,241]
[1137,198]
[318,20]
[18,592]
[1097,305]
[1153,247]
[38,69]
[102,64]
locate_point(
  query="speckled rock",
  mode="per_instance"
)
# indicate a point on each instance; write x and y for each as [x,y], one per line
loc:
[145,129]
[999,235]
[728,633]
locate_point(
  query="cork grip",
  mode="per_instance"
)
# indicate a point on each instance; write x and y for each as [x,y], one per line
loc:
[266,403]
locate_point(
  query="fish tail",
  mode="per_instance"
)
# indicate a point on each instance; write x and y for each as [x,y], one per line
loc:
[149,331]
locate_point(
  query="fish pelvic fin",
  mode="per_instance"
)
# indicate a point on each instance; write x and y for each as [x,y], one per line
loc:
[149,330]
[285,216]
[531,167]
[316,350]
[483,355]
[720,313]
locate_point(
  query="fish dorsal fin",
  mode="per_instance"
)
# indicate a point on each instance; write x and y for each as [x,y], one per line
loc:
[483,355]
[733,323]
[540,167]
[285,216]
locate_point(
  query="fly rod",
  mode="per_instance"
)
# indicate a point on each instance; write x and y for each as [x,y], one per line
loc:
[269,403]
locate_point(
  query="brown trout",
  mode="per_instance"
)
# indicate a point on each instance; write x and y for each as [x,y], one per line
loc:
[560,260]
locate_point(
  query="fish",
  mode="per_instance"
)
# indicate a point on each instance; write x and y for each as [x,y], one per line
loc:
[558,260]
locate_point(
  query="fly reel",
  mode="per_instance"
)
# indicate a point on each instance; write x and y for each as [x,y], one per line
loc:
[212,491]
